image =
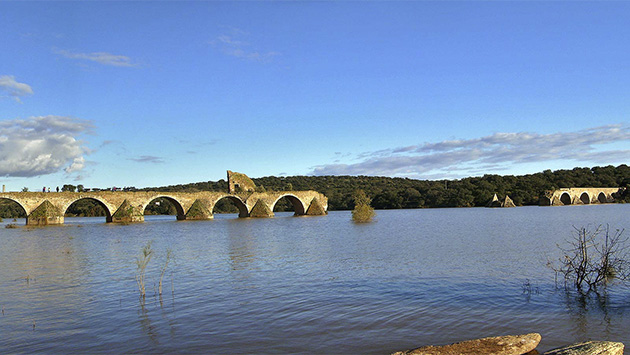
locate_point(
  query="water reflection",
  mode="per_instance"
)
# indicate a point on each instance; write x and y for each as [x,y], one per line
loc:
[301,285]
[146,325]
[242,248]
[586,309]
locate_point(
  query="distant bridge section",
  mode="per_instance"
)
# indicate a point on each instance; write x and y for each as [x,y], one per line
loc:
[44,208]
[579,196]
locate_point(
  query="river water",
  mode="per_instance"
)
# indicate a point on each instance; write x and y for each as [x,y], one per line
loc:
[301,284]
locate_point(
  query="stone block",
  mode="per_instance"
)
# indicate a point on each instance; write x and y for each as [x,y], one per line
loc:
[590,348]
[502,345]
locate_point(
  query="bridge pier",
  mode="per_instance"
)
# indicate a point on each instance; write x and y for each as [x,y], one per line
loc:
[127,219]
[127,213]
[260,210]
[199,211]
[45,214]
[315,208]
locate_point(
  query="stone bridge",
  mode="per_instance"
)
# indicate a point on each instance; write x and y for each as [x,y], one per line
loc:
[49,207]
[579,196]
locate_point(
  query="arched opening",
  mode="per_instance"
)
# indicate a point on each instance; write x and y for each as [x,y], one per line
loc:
[164,206]
[585,198]
[88,207]
[10,210]
[602,198]
[230,205]
[289,203]
[565,198]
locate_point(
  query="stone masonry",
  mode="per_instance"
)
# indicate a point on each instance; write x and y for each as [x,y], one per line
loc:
[238,182]
[579,196]
[49,207]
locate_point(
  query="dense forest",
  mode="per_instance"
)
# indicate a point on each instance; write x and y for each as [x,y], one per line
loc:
[392,193]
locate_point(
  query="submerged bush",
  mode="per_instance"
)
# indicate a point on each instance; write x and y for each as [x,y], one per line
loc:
[362,212]
[591,259]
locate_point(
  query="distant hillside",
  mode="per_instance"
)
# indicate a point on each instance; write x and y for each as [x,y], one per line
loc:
[391,193]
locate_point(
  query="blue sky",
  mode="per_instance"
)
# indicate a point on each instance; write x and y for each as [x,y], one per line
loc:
[158,93]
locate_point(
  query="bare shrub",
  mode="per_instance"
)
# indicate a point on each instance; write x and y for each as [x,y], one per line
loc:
[593,258]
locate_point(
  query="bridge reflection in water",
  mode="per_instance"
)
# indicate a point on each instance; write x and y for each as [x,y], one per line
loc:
[43,208]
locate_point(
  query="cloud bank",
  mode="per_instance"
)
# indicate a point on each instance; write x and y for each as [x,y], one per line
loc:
[103,58]
[14,89]
[498,151]
[42,145]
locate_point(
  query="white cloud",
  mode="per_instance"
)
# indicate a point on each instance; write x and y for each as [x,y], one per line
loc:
[496,152]
[98,57]
[13,88]
[77,165]
[234,44]
[42,145]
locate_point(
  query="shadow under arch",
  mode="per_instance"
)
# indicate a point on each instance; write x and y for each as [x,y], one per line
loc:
[298,206]
[179,209]
[585,198]
[10,208]
[93,212]
[242,208]
[565,198]
[601,197]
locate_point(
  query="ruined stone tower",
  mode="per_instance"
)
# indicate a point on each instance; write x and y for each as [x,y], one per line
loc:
[238,182]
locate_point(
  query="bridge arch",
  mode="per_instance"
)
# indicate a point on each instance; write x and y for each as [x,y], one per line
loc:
[242,207]
[298,205]
[108,212]
[565,198]
[181,214]
[16,202]
[601,197]
[585,198]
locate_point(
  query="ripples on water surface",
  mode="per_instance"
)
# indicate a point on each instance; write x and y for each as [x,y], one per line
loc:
[301,285]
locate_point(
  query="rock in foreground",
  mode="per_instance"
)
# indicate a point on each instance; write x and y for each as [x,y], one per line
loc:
[503,345]
[590,348]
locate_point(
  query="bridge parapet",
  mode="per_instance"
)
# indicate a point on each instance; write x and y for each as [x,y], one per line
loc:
[122,206]
[579,196]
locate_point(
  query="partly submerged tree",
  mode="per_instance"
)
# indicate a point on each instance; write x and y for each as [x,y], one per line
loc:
[362,211]
[592,259]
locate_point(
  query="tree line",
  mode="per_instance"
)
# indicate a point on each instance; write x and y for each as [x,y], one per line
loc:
[395,193]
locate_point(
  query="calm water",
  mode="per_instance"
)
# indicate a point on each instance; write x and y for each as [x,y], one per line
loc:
[301,284]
